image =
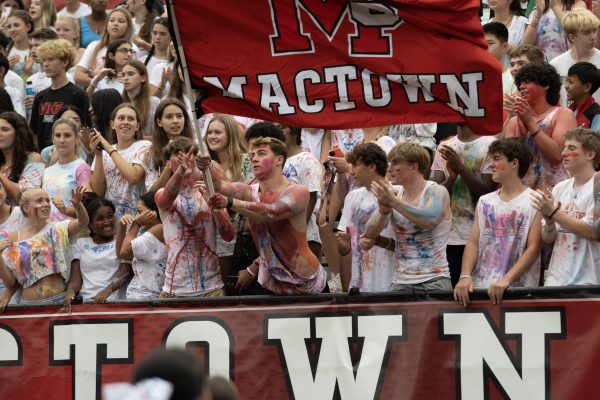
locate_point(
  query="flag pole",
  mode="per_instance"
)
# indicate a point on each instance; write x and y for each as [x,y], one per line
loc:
[188,89]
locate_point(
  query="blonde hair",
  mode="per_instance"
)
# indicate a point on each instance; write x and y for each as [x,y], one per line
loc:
[589,140]
[24,198]
[579,21]
[48,13]
[412,153]
[235,147]
[73,125]
[57,48]
[75,25]
[105,40]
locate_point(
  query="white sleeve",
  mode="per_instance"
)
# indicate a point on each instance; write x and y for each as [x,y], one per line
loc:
[156,74]
[346,218]
[86,58]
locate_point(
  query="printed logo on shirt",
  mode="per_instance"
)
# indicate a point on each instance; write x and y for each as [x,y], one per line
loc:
[50,109]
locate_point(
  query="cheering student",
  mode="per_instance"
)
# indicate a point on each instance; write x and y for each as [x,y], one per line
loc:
[504,247]
[568,214]
[190,228]
[420,217]
[276,211]
[372,270]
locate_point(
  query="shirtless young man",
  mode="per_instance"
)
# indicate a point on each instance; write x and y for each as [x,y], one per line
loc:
[276,210]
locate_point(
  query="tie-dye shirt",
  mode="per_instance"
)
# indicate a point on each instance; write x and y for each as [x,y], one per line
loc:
[123,194]
[420,252]
[282,256]
[60,179]
[372,270]
[550,36]
[304,169]
[503,231]
[474,156]
[149,262]
[30,178]
[41,255]
[575,260]
[190,235]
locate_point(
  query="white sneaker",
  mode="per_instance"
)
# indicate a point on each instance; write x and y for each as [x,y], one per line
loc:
[335,284]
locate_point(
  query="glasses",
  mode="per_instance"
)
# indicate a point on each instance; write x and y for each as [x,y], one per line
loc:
[126,51]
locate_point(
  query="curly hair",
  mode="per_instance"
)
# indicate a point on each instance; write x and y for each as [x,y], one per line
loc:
[542,74]
[513,148]
[58,48]
[369,153]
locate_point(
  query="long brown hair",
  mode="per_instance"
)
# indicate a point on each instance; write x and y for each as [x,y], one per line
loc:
[142,100]
[235,147]
[22,146]
[159,136]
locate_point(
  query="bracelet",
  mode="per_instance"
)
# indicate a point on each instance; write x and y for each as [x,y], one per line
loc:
[553,212]
[229,202]
[252,274]
[465,276]
[536,132]
[110,152]
[388,246]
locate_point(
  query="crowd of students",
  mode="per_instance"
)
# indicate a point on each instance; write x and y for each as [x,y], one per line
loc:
[103,193]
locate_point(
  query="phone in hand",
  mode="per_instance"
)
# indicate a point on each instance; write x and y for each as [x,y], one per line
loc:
[5,12]
[336,152]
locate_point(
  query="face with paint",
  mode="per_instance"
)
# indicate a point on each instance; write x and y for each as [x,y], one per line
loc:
[532,91]
[400,172]
[575,157]
[102,223]
[38,206]
[501,167]
[264,161]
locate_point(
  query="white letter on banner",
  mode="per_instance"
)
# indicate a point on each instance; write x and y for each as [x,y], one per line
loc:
[235,89]
[272,93]
[370,99]
[10,347]
[469,99]
[377,18]
[334,362]
[340,76]
[206,331]
[301,78]
[413,85]
[90,345]
[480,345]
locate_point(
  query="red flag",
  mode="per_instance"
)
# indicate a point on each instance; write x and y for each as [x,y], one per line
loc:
[340,64]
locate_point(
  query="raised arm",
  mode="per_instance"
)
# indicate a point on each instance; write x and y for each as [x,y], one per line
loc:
[436,203]
[76,225]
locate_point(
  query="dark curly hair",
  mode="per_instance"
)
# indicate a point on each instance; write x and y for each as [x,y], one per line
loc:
[543,74]
[513,148]
[22,146]
[369,154]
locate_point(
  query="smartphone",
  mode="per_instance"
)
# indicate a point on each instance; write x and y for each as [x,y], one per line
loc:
[336,152]
[6,12]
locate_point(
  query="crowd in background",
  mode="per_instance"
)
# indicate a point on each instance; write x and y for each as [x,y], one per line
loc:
[103,193]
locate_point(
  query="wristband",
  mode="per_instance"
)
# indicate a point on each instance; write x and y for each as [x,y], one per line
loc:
[252,274]
[229,202]
[553,212]
[536,132]
[110,152]
[465,276]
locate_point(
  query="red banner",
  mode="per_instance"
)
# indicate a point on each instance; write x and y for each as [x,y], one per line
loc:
[341,64]
[316,349]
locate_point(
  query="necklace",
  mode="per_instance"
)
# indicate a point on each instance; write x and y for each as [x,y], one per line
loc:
[543,112]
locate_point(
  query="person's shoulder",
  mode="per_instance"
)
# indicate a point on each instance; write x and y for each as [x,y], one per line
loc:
[34,157]
[562,185]
[561,61]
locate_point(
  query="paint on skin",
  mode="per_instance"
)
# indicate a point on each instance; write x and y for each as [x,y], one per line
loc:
[573,154]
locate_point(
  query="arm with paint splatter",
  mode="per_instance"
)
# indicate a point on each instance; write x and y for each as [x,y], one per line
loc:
[436,204]
[523,263]
[221,184]
[597,206]
[293,202]
[223,223]
[165,197]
